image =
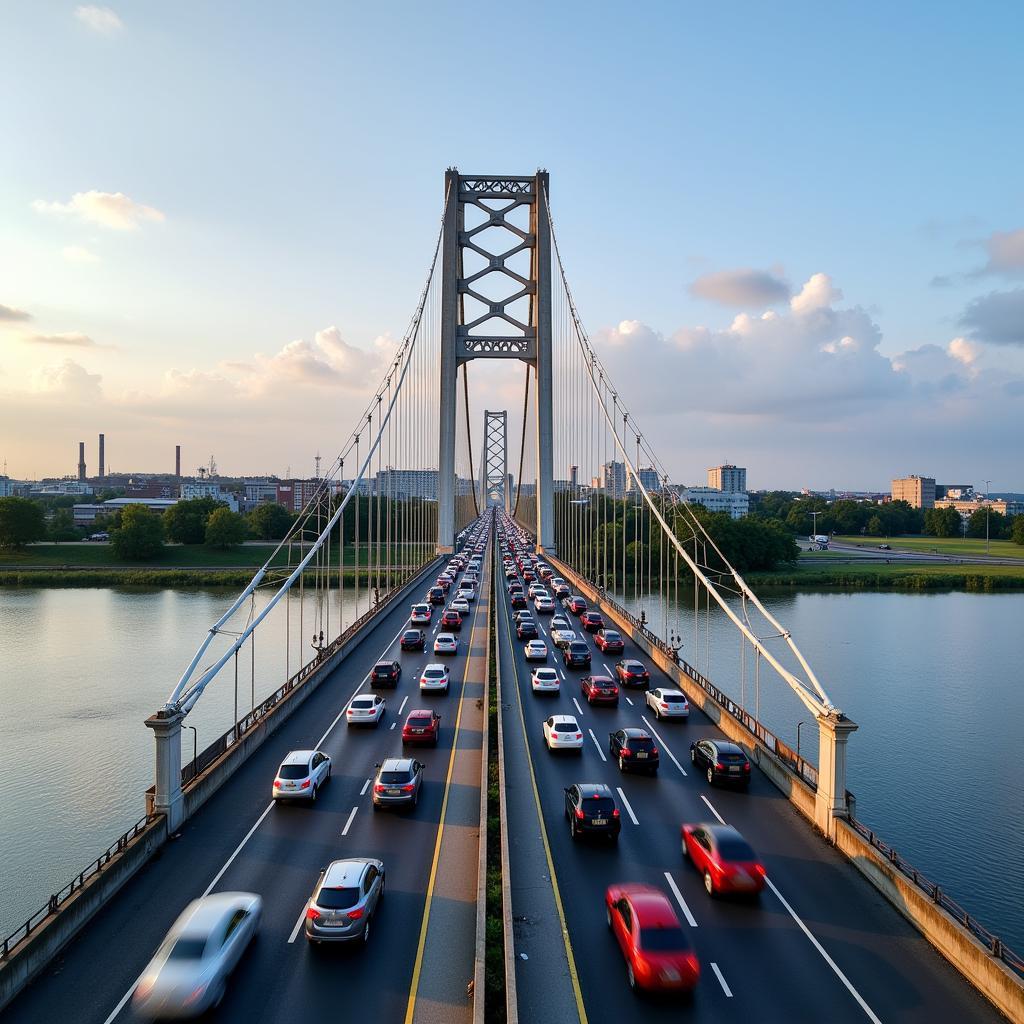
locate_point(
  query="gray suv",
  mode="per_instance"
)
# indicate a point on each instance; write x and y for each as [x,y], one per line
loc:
[397,783]
[344,901]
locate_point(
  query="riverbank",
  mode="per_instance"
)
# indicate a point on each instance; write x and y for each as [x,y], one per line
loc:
[902,575]
[196,577]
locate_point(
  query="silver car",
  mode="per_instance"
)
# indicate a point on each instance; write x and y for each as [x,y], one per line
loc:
[188,975]
[397,783]
[344,901]
[301,774]
[435,677]
[446,643]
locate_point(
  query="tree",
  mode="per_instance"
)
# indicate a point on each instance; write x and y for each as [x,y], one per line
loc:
[21,522]
[270,521]
[1017,534]
[985,522]
[140,535]
[62,526]
[875,527]
[942,522]
[185,522]
[225,529]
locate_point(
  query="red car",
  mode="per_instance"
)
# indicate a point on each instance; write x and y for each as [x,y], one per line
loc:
[529,576]
[575,604]
[385,673]
[724,858]
[600,690]
[443,582]
[609,642]
[632,673]
[413,640]
[451,620]
[422,726]
[518,600]
[659,957]
[592,621]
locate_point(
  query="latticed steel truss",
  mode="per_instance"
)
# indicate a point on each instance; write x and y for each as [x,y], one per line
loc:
[495,462]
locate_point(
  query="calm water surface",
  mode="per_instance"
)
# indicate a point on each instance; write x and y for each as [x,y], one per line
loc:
[933,680]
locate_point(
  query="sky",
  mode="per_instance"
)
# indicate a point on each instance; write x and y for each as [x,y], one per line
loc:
[795,232]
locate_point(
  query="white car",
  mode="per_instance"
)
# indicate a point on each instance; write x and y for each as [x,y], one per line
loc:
[434,678]
[536,650]
[563,637]
[421,615]
[189,973]
[301,774]
[560,622]
[562,732]
[537,589]
[668,703]
[365,709]
[543,605]
[466,594]
[544,680]
[460,605]
[446,643]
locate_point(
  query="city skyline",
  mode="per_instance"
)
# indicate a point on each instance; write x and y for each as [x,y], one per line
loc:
[789,282]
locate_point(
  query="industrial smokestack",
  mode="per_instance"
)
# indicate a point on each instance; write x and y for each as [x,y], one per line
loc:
[102,463]
[177,461]
[81,460]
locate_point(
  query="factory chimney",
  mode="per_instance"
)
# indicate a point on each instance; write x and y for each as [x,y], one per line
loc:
[81,460]
[102,463]
[177,461]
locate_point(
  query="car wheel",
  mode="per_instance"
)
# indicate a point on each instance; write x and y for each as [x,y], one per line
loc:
[709,883]
[711,775]
[366,932]
[622,763]
[376,806]
[631,976]
[693,756]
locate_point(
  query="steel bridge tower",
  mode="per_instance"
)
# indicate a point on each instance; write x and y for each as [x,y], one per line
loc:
[494,469]
[529,340]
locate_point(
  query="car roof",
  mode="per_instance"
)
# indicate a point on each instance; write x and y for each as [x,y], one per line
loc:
[298,756]
[544,668]
[386,663]
[342,873]
[728,747]
[632,661]
[669,691]
[445,636]
[652,908]
[396,764]
[418,632]
[590,789]
[204,914]
[421,713]
[563,718]
[635,733]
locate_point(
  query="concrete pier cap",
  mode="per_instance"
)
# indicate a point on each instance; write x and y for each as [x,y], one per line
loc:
[834,730]
[167,798]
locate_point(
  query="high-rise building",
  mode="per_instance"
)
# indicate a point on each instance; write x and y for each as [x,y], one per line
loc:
[613,479]
[648,477]
[728,478]
[736,503]
[917,491]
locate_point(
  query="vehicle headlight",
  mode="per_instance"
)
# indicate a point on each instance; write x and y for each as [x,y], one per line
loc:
[145,986]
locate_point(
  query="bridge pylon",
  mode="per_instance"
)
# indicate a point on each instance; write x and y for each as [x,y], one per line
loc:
[494,467]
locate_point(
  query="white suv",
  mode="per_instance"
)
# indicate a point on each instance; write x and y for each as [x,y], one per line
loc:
[301,774]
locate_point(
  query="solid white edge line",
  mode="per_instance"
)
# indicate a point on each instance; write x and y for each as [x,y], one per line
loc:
[818,946]
[596,744]
[679,899]
[348,824]
[721,980]
[366,786]
[298,924]
[664,745]
[626,804]
[577,703]
[721,820]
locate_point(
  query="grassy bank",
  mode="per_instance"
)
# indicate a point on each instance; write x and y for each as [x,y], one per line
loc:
[147,577]
[896,576]
[941,545]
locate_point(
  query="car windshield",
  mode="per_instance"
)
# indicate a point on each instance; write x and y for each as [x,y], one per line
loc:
[598,806]
[735,848]
[729,758]
[578,648]
[663,940]
[673,698]
[394,778]
[419,719]
[293,771]
[546,673]
[412,635]
[434,673]
[634,666]
[566,727]
[383,668]
[611,635]
[337,899]
[640,743]
[363,703]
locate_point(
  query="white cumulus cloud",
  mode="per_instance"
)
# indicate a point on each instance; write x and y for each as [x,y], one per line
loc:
[109,209]
[99,19]
[743,287]
[79,254]
[68,380]
[817,293]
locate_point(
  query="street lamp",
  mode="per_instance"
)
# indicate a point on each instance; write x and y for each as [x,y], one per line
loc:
[195,748]
[988,510]
[798,724]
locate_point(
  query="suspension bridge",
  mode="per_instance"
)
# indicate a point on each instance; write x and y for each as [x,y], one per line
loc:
[571,475]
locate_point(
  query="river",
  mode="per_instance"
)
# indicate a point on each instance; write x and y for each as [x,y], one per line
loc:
[933,680]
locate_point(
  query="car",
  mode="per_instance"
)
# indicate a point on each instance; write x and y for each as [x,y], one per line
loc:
[563,636]
[435,678]
[344,901]
[397,783]
[723,858]
[189,972]
[102,535]
[631,672]
[535,590]
[444,582]
[385,673]
[562,732]
[521,613]
[528,576]
[600,690]
[536,650]
[575,604]
[301,775]
[721,761]
[633,749]
[544,680]
[590,810]
[543,604]
[560,589]
[435,595]
[422,725]
[592,621]
[658,954]
[560,621]
[518,600]
[885,547]
[466,594]
[365,709]
[667,702]
[446,643]
[576,655]
[413,640]
[515,587]
[544,571]
[526,629]
[609,641]
[451,621]
[460,605]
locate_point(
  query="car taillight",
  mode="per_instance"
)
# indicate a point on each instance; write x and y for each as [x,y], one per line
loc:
[654,751]
[354,915]
[579,813]
[305,785]
[408,787]
[615,813]
[746,767]
[664,706]
[692,963]
[312,914]
[378,788]
[760,869]
[626,752]
[719,767]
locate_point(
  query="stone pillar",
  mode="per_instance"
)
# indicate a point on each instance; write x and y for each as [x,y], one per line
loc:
[833,732]
[168,800]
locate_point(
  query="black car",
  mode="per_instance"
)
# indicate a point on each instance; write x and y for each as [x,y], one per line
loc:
[526,629]
[385,673]
[413,640]
[721,761]
[590,809]
[576,655]
[634,750]
[518,600]
[435,595]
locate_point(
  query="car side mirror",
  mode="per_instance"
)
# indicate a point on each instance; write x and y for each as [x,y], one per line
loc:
[377,765]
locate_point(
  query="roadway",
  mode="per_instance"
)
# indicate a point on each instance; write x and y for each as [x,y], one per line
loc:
[240,841]
[821,946]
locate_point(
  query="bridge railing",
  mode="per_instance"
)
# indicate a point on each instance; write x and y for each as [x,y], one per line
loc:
[23,931]
[995,945]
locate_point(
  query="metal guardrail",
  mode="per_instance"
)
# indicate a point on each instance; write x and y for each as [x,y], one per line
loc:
[61,896]
[935,893]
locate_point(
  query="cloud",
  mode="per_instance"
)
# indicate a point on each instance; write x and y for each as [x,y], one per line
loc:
[68,380]
[69,340]
[79,254]
[743,287]
[99,19]
[10,315]
[1005,254]
[997,318]
[816,293]
[109,209]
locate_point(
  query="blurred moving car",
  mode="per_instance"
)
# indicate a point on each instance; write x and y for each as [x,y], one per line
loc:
[609,641]
[421,614]
[723,858]
[632,673]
